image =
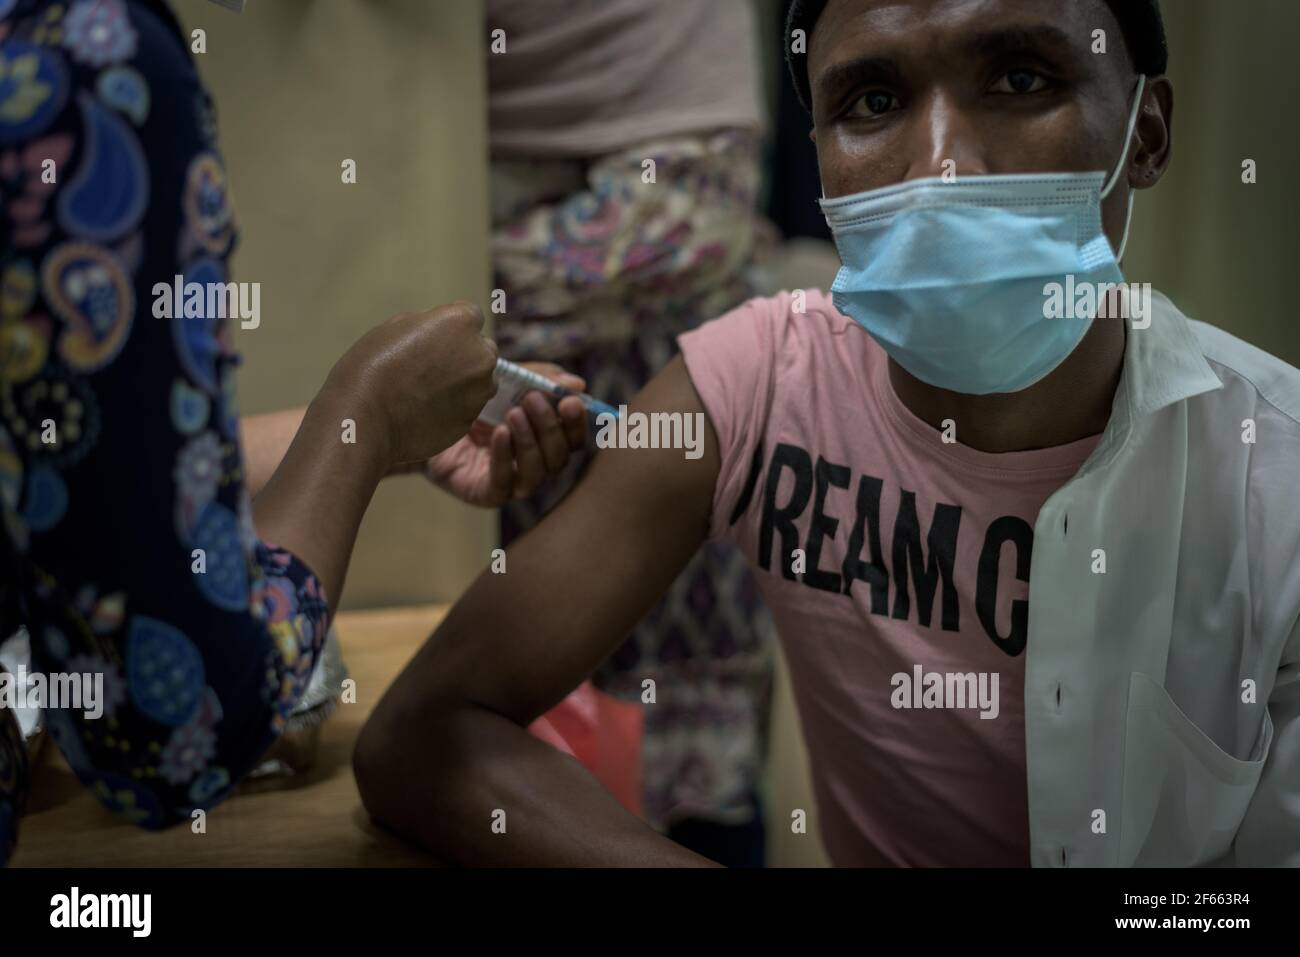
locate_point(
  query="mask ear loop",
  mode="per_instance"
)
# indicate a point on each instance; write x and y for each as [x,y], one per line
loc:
[1123,162]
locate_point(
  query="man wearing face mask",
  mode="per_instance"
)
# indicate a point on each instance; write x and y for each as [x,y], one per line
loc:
[1035,577]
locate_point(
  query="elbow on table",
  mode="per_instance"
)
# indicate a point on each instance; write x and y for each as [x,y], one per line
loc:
[372,764]
[393,763]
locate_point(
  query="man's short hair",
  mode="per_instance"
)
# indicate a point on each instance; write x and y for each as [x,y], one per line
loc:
[1140,21]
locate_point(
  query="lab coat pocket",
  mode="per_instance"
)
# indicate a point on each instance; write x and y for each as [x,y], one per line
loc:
[1184,796]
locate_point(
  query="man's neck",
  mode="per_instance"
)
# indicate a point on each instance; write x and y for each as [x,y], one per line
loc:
[1071,403]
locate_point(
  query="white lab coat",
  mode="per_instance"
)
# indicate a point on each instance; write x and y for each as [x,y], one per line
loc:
[1144,743]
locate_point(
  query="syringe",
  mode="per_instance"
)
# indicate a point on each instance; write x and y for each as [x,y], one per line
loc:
[514,382]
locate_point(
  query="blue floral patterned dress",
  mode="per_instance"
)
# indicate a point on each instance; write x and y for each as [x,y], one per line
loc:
[127,546]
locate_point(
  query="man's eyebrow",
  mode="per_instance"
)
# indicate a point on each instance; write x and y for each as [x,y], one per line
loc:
[856,70]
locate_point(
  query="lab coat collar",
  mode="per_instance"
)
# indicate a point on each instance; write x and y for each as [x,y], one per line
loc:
[1163,364]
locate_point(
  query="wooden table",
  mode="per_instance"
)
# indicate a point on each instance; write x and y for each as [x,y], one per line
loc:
[312,820]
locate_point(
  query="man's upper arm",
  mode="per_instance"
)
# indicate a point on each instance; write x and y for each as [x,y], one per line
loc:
[574,586]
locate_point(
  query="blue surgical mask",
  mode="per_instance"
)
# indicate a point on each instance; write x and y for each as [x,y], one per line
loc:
[950,277]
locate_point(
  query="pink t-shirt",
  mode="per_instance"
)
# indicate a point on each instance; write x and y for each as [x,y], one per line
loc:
[908,600]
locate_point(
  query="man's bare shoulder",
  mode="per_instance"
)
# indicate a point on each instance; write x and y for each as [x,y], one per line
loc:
[663,444]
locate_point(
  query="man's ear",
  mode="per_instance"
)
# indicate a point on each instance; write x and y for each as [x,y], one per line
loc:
[1155,132]
[812,135]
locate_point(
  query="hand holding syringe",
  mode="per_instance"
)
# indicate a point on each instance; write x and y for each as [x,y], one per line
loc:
[514,382]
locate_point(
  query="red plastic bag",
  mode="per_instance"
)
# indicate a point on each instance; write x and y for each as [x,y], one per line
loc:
[604,734]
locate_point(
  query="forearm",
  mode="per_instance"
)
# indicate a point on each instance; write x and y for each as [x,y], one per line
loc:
[313,503]
[489,793]
[265,439]
[446,749]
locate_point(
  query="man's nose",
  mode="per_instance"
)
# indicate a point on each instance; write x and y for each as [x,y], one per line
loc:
[944,141]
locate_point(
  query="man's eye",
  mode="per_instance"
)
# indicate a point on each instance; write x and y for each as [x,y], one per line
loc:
[1020,81]
[874,103]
